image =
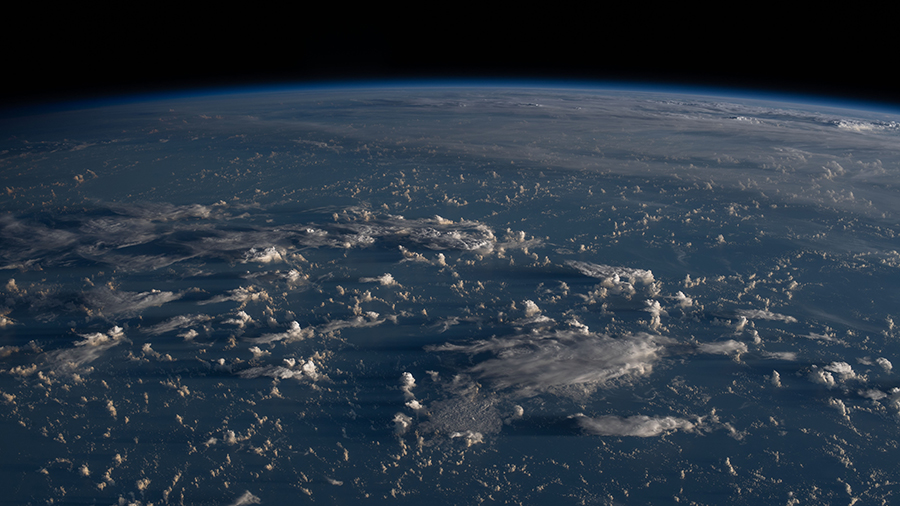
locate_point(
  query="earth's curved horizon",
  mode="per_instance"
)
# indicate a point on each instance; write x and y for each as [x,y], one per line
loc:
[454,294]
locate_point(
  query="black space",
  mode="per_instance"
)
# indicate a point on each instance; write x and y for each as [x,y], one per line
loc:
[62,55]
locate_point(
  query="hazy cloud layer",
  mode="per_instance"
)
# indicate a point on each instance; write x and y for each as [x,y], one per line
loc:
[607,272]
[729,347]
[563,358]
[142,237]
[639,426]
[176,323]
[759,314]
[89,349]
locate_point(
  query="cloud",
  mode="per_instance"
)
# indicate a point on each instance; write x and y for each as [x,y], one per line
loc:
[242,295]
[245,499]
[531,309]
[190,334]
[639,425]
[865,126]
[781,355]
[402,423]
[241,319]
[48,241]
[823,337]
[114,302]
[407,383]
[264,256]
[470,437]
[162,212]
[684,301]
[821,377]
[293,333]
[411,256]
[465,413]
[759,314]
[840,406]
[385,280]
[533,315]
[729,347]
[609,272]
[258,353]
[842,368]
[775,379]
[415,405]
[873,393]
[655,310]
[441,234]
[26,244]
[292,368]
[619,281]
[294,276]
[355,322]
[435,233]
[89,349]
[541,361]
[177,322]
[141,237]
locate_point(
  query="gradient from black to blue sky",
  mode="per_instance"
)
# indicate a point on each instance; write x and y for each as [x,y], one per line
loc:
[72,53]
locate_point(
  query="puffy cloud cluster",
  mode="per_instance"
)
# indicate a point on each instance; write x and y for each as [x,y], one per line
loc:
[842,368]
[826,375]
[531,309]
[470,437]
[683,301]
[435,233]
[655,310]
[619,281]
[402,423]
[407,383]
[264,256]
[240,319]
[821,377]
[775,379]
[411,256]
[854,125]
